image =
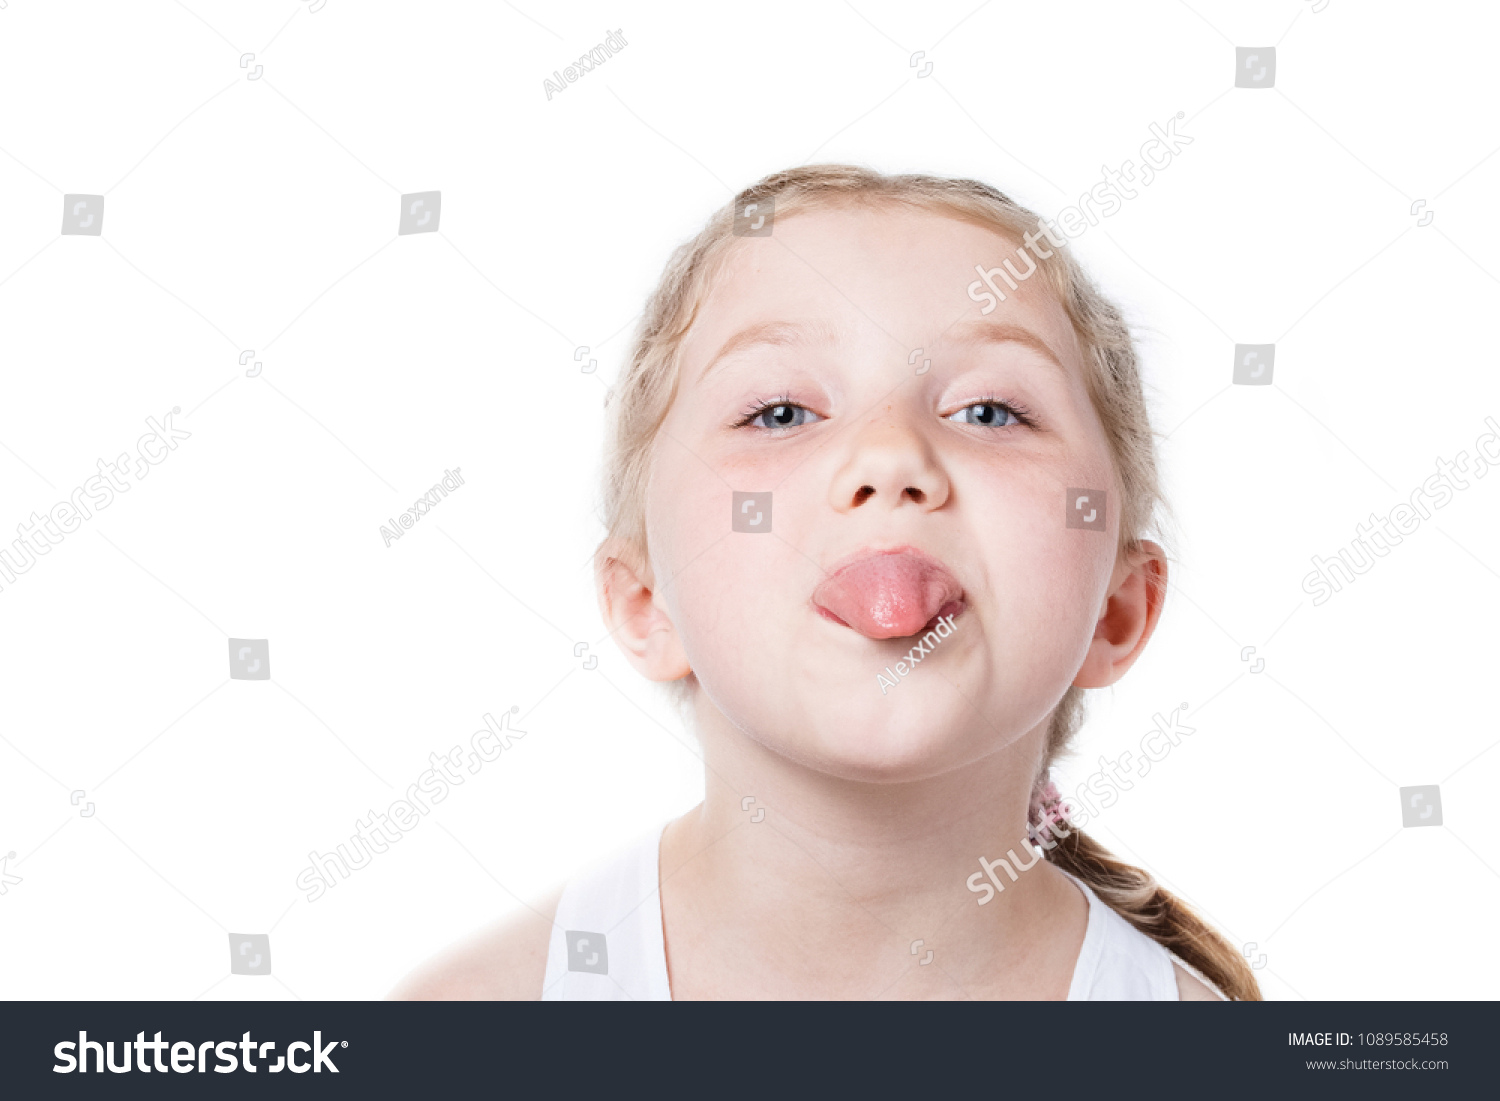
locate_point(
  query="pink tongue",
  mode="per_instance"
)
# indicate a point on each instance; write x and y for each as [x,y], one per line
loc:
[888,595]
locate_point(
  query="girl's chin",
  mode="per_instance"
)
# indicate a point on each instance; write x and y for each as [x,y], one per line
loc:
[889,757]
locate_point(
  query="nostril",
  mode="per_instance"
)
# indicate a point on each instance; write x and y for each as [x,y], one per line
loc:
[864,494]
[916,494]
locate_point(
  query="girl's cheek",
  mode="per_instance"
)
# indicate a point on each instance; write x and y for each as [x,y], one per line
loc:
[1030,551]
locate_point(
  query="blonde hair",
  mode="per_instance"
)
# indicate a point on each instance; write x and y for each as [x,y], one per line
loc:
[641,399]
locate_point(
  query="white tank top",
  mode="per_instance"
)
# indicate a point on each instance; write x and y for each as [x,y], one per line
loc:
[607,940]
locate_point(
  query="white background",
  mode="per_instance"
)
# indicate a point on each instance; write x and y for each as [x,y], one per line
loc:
[262,214]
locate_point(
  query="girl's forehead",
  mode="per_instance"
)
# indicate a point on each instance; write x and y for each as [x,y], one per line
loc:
[881,234]
[892,269]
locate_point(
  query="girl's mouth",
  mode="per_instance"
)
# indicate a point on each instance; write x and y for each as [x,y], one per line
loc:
[889,594]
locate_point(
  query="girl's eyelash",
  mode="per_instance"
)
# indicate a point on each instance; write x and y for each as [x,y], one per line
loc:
[1014,408]
[761,406]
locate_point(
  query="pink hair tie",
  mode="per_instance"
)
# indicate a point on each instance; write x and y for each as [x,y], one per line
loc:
[1045,814]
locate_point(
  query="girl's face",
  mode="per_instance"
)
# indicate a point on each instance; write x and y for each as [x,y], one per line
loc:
[889,492]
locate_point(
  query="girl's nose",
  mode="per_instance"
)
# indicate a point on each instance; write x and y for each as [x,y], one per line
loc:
[889,465]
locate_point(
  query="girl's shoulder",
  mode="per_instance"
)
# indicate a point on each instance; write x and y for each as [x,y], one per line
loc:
[505,962]
[1190,988]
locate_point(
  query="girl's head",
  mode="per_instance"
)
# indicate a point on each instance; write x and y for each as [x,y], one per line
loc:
[915,441]
[813,327]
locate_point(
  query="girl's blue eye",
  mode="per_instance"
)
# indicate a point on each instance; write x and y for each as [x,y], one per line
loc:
[782,416]
[989,414]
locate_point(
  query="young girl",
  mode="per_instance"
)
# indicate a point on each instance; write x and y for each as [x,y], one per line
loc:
[879,523]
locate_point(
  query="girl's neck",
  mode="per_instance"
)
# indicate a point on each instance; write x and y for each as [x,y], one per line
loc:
[786,882]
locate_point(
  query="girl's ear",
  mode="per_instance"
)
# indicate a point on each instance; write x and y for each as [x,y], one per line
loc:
[636,618]
[1130,612]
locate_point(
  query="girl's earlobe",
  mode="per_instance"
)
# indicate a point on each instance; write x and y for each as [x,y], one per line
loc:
[1131,613]
[638,624]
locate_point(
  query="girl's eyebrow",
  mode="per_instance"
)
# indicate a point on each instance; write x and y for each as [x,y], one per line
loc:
[806,333]
[996,332]
[775,334]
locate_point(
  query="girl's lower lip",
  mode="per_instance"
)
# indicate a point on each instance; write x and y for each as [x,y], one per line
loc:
[953,608]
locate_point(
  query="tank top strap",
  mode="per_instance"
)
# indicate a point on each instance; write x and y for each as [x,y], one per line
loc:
[1118,962]
[607,942]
